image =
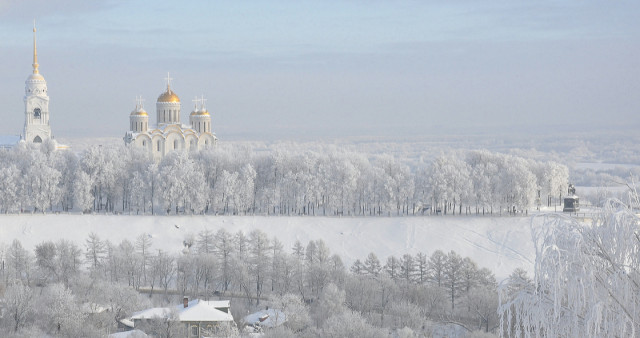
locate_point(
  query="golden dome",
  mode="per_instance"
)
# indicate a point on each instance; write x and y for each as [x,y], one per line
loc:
[168,96]
[140,112]
[199,112]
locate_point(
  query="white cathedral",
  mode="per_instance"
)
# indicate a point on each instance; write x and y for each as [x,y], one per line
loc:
[169,133]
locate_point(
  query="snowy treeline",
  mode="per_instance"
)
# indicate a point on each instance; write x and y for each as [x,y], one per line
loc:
[587,279]
[281,181]
[62,284]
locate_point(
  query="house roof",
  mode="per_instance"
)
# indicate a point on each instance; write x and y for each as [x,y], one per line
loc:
[196,311]
[203,312]
[154,312]
[128,334]
[274,318]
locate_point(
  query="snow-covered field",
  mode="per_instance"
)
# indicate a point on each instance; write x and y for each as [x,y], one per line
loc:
[498,243]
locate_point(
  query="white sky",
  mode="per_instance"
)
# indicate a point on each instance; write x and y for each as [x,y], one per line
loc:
[300,69]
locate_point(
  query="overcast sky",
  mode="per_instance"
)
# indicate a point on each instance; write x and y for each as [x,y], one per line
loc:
[299,69]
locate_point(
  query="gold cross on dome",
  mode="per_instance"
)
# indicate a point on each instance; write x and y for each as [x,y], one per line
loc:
[204,101]
[139,102]
[168,78]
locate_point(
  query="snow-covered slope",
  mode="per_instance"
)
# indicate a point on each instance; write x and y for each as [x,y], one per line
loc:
[498,243]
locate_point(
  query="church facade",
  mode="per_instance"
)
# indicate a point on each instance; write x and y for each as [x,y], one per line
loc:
[169,134]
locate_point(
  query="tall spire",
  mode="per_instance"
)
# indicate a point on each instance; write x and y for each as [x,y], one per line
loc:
[35,50]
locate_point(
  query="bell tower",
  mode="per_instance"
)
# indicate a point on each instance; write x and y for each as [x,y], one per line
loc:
[36,103]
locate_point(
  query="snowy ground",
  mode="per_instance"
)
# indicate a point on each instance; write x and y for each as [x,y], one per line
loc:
[498,243]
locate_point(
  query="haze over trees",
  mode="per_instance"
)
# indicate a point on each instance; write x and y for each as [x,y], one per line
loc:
[279,182]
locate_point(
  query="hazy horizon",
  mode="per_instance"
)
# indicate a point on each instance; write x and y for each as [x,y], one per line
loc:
[305,70]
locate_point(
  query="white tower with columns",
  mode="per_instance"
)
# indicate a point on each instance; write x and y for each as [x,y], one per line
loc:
[168,106]
[200,118]
[36,103]
[139,118]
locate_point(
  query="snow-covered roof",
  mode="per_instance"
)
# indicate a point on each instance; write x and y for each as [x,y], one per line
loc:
[218,304]
[274,318]
[154,312]
[203,312]
[126,322]
[128,334]
[196,311]
[93,308]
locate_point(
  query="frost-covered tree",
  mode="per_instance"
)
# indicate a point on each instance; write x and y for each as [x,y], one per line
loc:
[259,261]
[60,313]
[172,177]
[19,306]
[436,266]
[163,268]
[407,268]
[586,282]
[19,262]
[392,268]
[372,265]
[42,183]
[350,325]
[69,260]
[450,182]
[331,302]
[453,277]
[95,251]
[10,188]
[82,195]
[223,250]
[421,268]
[46,257]
[357,268]
[143,248]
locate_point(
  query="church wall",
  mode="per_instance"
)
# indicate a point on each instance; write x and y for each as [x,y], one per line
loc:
[157,144]
[206,141]
[174,141]
[143,141]
[191,142]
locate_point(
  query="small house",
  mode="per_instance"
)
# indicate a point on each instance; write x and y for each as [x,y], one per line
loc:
[197,316]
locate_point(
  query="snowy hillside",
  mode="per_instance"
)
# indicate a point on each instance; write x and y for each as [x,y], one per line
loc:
[498,243]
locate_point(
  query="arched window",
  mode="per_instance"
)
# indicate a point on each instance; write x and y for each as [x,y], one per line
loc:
[158,145]
[175,144]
